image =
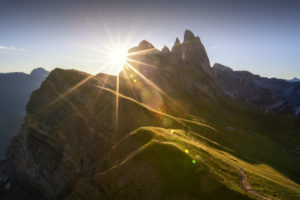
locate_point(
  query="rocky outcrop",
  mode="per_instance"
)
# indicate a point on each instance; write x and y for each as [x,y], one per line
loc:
[268,94]
[188,58]
[192,51]
[144,47]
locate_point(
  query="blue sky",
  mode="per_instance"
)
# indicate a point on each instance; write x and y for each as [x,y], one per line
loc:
[261,36]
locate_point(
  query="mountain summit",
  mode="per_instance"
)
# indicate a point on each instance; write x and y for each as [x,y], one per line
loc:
[188,35]
[143,45]
[192,51]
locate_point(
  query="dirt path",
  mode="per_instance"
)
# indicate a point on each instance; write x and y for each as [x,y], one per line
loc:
[247,186]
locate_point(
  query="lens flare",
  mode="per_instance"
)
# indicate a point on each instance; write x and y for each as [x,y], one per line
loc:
[117,56]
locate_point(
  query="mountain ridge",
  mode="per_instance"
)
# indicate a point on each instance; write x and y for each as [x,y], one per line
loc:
[268,94]
[294,80]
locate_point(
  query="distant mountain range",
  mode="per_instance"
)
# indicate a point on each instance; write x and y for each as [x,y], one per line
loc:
[15,90]
[170,126]
[267,94]
[294,80]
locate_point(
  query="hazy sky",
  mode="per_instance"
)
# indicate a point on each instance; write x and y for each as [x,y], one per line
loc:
[261,36]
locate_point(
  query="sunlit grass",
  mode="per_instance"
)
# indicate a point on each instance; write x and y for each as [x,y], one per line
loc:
[263,178]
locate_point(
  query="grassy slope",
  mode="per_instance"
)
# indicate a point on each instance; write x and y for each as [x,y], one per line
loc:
[166,148]
[164,151]
[262,145]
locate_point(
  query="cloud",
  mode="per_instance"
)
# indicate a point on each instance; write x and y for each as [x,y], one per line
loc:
[4,48]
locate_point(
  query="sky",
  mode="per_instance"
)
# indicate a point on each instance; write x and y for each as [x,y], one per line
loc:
[261,36]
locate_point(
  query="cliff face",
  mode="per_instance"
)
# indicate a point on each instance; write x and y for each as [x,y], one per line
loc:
[69,129]
[268,94]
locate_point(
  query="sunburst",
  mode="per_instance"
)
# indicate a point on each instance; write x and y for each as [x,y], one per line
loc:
[114,54]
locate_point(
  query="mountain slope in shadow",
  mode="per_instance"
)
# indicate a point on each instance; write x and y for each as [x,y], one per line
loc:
[266,94]
[15,90]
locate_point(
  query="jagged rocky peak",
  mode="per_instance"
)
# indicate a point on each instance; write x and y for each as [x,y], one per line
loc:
[177,42]
[176,45]
[165,50]
[143,45]
[192,51]
[188,35]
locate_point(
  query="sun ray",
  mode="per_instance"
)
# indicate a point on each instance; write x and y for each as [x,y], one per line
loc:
[176,104]
[128,38]
[72,88]
[142,63]
[129,83]
[103,82]
[106,46]
[180,119]
[146,79]
[108,32]
[101,52]
[117,106]
[142,52]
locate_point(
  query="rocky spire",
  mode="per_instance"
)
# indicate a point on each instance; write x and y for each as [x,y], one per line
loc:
[176,45]
[188,35]
[143,45]
[165,50]
[177,42]
[191,50]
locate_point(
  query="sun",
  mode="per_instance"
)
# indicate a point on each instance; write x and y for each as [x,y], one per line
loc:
[111,57]
[117,57]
